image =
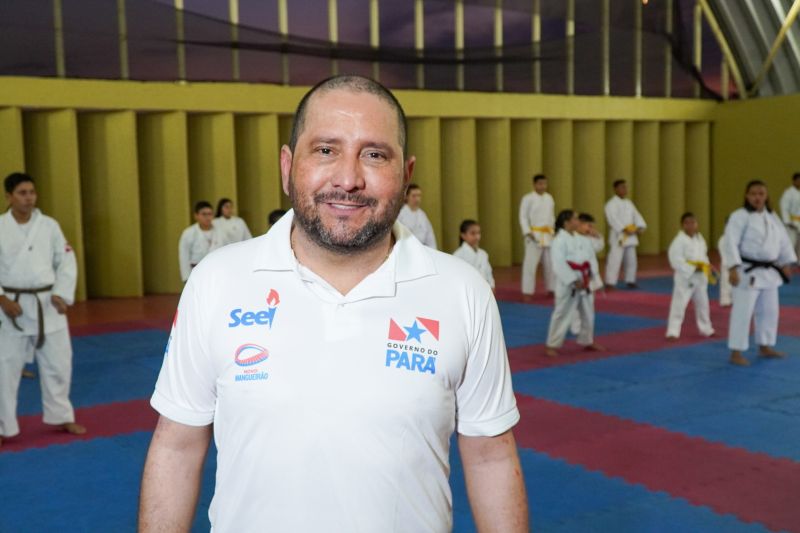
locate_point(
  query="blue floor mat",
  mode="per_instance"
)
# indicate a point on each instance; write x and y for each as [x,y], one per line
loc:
[789,294]
[525,324]
[697,393]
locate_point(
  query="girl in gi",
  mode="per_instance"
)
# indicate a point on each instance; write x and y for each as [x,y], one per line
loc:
[688,257]
[574,266]
[760,253]
[470,232]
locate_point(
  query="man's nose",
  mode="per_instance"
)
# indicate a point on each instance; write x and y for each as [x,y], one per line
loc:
[348,174]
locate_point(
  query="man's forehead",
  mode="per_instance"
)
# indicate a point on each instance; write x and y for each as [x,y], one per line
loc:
[345,102]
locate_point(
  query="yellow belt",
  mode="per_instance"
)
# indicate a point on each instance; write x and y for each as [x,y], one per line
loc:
[706,268]
[541,229]
[795,218]
[624,237]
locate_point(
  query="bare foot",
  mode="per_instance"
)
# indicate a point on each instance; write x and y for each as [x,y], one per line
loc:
[594,347]
[73,428]
[670,338]
[738,359]
[712,334]
[551,352]
[767,351]
[29,374]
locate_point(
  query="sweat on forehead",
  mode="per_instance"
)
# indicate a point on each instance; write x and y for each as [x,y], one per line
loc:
[356,84]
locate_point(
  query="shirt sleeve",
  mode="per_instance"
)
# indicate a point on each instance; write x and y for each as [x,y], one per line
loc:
[65,266]
[677,257]
[787,255]
[734,231]
[786,208]
[524,223]
[638,218]
[612,216]
[186,388]
[485,400]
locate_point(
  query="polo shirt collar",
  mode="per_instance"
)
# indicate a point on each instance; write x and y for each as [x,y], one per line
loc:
[409,259]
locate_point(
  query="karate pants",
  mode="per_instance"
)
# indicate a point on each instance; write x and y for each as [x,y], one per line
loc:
[761,305]
[725,287]
[54,360]
[566,306]
[620,256]
[695,289]
[533,255]
[794,237]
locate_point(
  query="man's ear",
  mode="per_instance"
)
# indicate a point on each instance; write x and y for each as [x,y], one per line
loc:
[286,167]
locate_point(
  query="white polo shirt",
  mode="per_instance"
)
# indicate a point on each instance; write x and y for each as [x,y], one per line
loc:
[330,412]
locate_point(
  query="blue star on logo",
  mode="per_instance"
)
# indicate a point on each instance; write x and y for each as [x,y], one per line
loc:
[414,332]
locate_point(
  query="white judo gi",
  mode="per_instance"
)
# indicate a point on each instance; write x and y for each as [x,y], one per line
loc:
[479,259]
[756,236]
[574,259]
[536,220]
[35,263]
[417,221]
[725,287]
[234,229]
[790,212]
[688,257]
[597,244]
[195,244]
[621,214]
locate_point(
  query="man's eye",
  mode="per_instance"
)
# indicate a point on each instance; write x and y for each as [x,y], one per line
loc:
[376,155]
[324,150]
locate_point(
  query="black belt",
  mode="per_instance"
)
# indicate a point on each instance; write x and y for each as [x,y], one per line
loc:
[764,264]
[39,311]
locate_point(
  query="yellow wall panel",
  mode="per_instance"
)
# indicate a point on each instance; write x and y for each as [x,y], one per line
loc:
[110,201]
[424,138]
[619,154]
[673,180]
[646,177]
[459,178]
[754,139]
[212,157]
[698,175]
[52,159]
[12,149]
[496,214]
[526,162]
[165,205]
[257,169]
[589,168]
[557,161]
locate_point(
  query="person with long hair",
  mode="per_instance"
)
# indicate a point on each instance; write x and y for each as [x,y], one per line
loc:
[574,265]
[233,228]
[758,249]
[414,218]
[470,251]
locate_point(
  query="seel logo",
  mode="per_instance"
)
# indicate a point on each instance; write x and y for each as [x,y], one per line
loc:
[264,317]
[248,355]
[407,350]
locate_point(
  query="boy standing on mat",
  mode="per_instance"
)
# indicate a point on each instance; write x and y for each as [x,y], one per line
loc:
[625,224]
[688,257]
[536,219]
[38,274]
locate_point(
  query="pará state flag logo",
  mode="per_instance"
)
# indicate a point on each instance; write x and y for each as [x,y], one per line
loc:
[413,347]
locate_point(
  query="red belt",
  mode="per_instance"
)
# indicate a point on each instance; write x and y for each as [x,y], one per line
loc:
[585,269]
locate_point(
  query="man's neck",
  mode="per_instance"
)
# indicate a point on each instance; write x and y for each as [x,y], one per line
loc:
[21,217]
[621,197]
[205,228]
[414,209]
[342,271]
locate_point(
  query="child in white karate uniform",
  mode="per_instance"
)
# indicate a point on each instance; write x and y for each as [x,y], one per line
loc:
[688,257]
[574,265]
[469,251]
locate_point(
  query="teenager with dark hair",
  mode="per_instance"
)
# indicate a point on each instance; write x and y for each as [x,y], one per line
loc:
[414,218]
[625,223]
[536,218]
[574,264]
[759,253]
[470,251]
[688,257]
[233,228]
[199,239]
[38,274]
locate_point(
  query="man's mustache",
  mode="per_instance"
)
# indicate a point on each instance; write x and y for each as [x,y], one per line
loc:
[344,197]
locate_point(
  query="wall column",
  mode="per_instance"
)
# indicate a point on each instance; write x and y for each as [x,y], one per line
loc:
[645,181]
[166,208]
[212,157]
[673,180]
[557,160]
[526,162]
[258,169]
[424,140]
[698,175]
[494,188]
[459,178]
[52,158]
[110,194]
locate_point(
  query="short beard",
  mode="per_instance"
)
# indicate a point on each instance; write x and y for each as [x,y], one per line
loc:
[365,238]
